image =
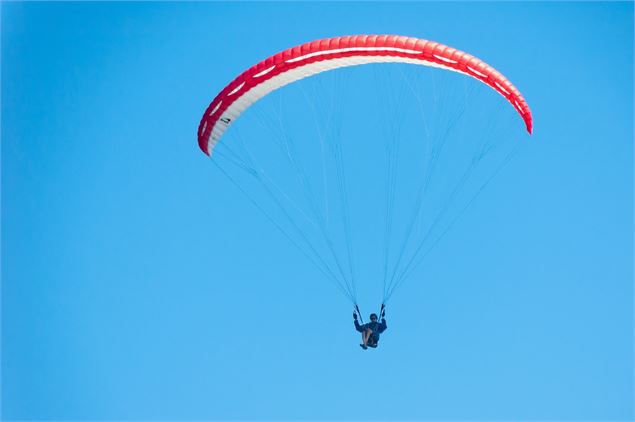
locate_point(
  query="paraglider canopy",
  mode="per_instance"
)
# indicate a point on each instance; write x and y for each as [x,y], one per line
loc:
[318,56]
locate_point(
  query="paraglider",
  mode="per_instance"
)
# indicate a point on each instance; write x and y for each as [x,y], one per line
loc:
[371,331]
[309,225]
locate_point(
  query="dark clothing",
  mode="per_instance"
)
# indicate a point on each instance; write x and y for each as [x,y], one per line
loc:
[376,327]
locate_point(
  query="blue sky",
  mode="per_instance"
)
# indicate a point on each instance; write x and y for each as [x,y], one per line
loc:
[138,283]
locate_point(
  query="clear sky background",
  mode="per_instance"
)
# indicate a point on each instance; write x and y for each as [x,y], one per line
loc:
[139,284]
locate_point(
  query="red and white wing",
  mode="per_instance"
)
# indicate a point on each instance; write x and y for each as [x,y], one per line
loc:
[319,56]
